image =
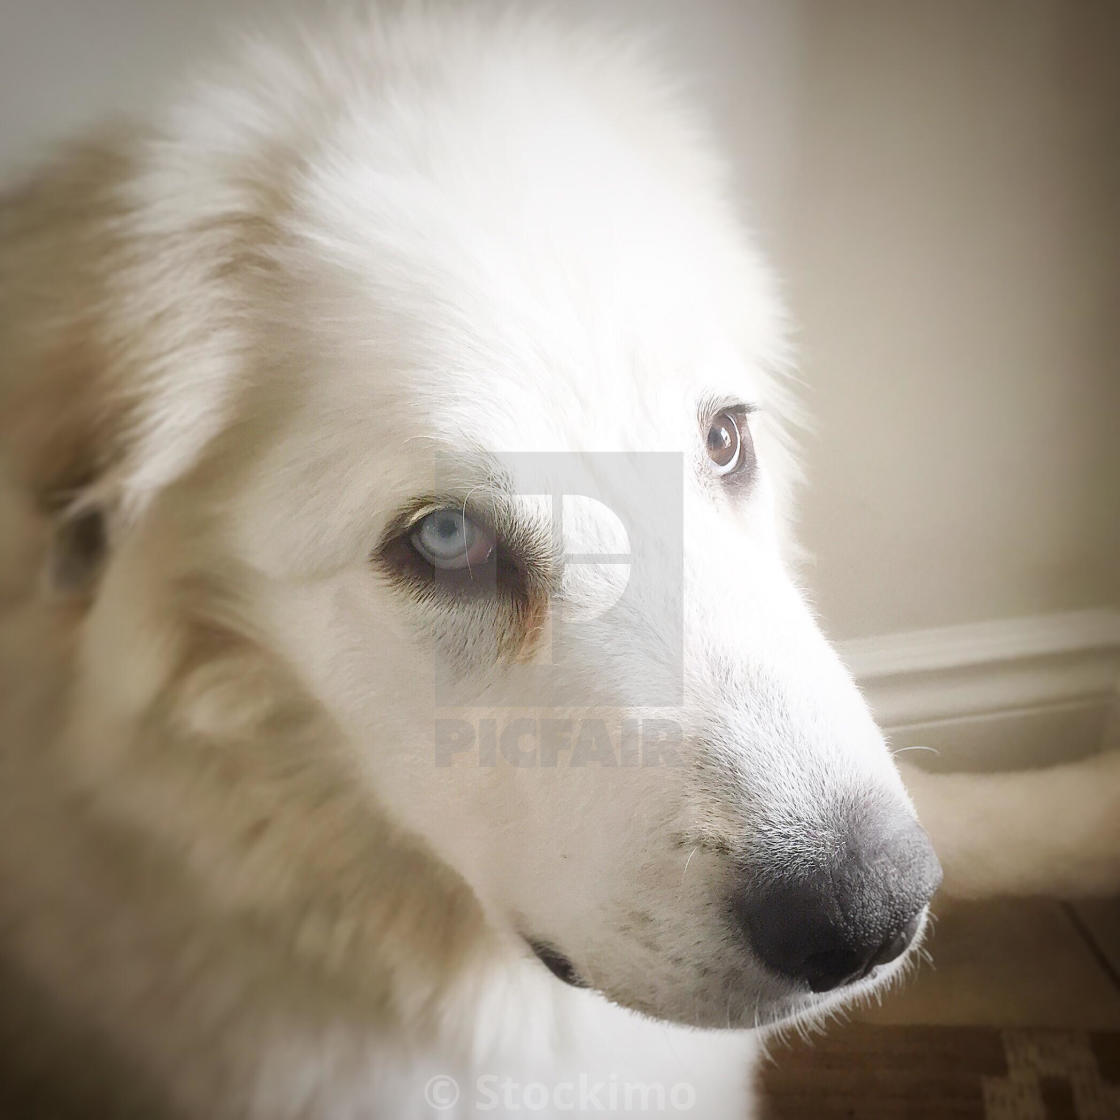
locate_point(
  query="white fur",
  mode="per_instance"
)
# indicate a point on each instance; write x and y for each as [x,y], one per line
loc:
[368,265]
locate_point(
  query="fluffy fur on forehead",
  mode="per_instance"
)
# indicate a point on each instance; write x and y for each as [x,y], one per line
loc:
[307,210]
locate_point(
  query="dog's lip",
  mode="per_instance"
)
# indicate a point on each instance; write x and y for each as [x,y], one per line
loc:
[556,962]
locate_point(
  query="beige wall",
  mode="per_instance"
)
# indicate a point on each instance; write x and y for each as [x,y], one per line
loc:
[952,239]
[939,181]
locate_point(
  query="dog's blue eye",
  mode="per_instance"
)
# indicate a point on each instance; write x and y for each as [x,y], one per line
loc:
[448,539]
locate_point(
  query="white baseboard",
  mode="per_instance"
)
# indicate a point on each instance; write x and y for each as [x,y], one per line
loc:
[1011,692]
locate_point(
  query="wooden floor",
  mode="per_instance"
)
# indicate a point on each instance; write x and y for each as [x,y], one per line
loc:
[1017,1018]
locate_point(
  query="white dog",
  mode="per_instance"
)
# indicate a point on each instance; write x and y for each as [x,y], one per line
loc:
[408,709]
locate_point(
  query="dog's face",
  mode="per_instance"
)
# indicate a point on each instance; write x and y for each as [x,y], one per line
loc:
[517,517]
[502,476]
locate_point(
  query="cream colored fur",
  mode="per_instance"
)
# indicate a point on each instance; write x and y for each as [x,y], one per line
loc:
[1052,832]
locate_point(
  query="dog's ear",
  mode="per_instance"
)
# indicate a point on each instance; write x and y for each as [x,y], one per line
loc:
[115,340]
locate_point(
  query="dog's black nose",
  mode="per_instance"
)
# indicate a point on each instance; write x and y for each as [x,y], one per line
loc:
[828,921]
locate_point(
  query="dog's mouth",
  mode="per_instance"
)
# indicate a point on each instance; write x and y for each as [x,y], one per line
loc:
[816,1007]
[556,963]
[774,1009]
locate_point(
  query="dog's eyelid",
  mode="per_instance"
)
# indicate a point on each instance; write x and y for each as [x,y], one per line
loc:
[409,518]
[527,546]
[711,407]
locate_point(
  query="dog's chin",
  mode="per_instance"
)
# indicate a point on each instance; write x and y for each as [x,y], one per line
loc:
[769,1004]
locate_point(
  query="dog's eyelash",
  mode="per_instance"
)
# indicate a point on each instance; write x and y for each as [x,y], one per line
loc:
[713,406]
[515,581]
[519,570]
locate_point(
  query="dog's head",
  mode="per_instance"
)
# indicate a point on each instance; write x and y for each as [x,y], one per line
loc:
[444,366]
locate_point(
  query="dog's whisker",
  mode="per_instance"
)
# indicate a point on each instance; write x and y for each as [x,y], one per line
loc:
[902,750]
[687,862]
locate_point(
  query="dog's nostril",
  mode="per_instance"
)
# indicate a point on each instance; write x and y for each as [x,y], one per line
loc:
[895,946]
[848,963]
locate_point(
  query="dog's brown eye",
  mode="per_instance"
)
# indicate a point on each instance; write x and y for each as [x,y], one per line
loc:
[725,444]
